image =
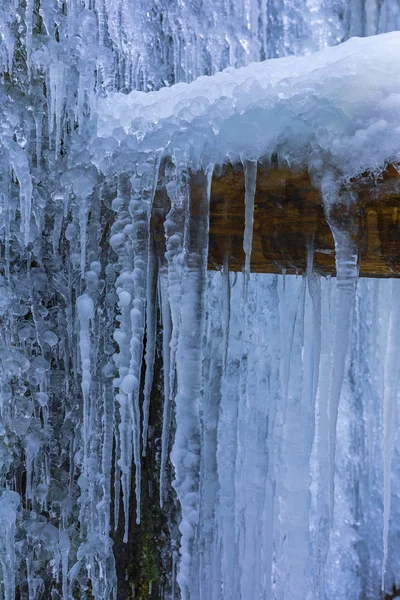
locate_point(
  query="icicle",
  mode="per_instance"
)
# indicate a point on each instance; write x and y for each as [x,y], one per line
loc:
[101,17]
[226,458]
[391,387]
[31,592]
[85,308]
[124,462]
[250,178]
[32,447]
[57,89]
[29,27]
[174,227]
[131,242]
[185,454]
[39,135]
[124,287]
[314,288]
[346,277]
[151,322]
[106,460]
[64,545]
[20,165]
[226,308]
[9,503]
[203,578]
[117,479]
[166,339]
[140,209]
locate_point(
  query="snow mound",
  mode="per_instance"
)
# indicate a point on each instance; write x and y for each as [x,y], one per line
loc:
[339,107]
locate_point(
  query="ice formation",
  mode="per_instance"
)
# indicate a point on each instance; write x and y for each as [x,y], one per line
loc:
[277,455]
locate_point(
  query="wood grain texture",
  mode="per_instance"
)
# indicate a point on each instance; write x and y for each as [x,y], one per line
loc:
[289,218]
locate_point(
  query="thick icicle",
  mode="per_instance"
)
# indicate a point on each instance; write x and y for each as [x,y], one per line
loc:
[85,308]
[185,454]
[29,28]
[121,244]
[175,227]
[250,178]
[226,308]
[149,357]
[20,165]
[64,546]
[390,393]
[143,190]
[207,568]
[9,504]
[167,406]
[346,277]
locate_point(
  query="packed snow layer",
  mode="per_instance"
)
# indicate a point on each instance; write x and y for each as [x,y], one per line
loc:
[338,108]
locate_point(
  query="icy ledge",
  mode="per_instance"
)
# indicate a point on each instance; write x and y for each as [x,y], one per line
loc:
[337,108]
[335,113]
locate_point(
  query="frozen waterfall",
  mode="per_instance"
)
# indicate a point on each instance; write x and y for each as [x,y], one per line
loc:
[167,431]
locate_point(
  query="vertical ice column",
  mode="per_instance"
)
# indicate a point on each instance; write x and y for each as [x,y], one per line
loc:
[185,454]
[9,503]
[85,307]
[226,461]
[143,277]
[57,86]
[301,342]
[294,432]
[251,468]
[319,520]
[64,545]
[170,286]
[151,330]
[20,165]
[207,543]
[29,30]
[341,222]
[390,394]
[166,339]
[130,240]
[122,245]
[226,309]
[106,462]
[250,179]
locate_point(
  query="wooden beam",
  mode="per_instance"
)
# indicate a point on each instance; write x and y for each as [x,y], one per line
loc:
[289,217]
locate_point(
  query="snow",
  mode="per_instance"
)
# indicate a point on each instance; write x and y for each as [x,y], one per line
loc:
[335,109]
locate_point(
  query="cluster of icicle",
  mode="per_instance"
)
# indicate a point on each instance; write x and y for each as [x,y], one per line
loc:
[246,359]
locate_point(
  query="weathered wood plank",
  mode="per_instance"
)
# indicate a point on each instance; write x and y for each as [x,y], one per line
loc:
[289,217]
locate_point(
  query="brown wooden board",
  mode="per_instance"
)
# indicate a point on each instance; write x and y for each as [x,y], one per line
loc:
[289,218]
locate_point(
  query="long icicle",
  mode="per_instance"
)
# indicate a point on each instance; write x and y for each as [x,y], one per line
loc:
[346,283]
[151,325]
[391,385]
[250,178]
[185,454]
[166,339]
